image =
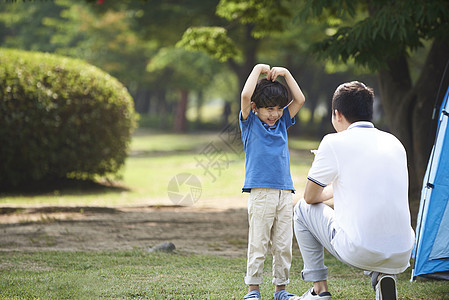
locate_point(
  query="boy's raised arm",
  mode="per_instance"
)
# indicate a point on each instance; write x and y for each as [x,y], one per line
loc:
[298,96]
[250,85]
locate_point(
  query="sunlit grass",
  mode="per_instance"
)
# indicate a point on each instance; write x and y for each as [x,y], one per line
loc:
[156,158]
[147,140]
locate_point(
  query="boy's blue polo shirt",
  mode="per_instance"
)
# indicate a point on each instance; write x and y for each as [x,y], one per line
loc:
[267,160]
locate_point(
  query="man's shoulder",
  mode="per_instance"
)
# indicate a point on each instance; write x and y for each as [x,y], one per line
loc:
[330,137]
[392,140]
[386,135]
[370,137]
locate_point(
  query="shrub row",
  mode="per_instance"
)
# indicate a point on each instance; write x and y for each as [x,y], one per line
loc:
[60,118]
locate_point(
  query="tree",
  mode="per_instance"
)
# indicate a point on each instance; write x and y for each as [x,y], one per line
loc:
[238,43]
[161,23]
[383,40]
[318,78]
[268,31]
[104,37]
[380,35]
[119,37]
[22,27]
[189,71]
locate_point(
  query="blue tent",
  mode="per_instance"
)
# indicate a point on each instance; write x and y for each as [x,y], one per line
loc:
[431,251]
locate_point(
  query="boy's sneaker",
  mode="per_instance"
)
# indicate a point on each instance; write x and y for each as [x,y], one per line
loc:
[386,288]
[253,295]
[310,295]
[284,295]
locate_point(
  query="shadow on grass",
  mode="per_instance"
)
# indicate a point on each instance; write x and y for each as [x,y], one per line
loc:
[58,209]
[62,187]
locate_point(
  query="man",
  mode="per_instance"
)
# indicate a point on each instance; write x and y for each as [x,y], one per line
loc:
[364,170]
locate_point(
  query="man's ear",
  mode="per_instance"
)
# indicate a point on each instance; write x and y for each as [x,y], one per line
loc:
[338,116]
[341,121]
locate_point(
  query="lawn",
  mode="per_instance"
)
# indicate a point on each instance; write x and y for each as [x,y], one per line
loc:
[142,275]
[137,274]
[155,159]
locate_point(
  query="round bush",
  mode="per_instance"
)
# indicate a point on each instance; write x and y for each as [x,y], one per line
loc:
[60,118]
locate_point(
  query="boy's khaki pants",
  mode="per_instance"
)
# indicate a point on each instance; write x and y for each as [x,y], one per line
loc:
[270,213]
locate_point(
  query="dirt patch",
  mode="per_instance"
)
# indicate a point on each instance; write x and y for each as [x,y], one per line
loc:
[195,230]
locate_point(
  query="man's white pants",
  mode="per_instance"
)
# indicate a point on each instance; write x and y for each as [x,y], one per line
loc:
[314,231]
[270,214]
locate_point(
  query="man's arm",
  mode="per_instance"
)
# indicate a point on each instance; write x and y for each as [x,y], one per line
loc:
[315,193]
[250,85]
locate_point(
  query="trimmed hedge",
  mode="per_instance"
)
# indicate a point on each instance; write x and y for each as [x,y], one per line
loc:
[60,118]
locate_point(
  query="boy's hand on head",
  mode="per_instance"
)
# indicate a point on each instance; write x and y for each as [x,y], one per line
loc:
[278,71]
[249,87]
[264,69]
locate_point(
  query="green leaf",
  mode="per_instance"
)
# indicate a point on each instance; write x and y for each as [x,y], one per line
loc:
[210,40]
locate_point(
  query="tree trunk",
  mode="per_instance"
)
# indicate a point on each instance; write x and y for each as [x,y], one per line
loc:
[180,124]
[162,109]
[249,56]
[199,106]
[142,99]
[226,113]
[408,109]
[425,94]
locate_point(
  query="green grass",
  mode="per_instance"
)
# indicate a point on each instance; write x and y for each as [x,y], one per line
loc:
[136,274]
[142,275]
[155,158]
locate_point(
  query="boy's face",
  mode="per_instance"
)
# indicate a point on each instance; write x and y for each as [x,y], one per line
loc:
[269,115]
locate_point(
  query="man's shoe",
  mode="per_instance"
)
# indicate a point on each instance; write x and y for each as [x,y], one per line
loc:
[386,288]
[284,295]
[253,295]
[310,295]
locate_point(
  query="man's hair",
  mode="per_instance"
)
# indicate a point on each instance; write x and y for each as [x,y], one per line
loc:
[354,101]
[270,93]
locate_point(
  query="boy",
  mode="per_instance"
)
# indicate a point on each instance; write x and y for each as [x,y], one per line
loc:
[266,114]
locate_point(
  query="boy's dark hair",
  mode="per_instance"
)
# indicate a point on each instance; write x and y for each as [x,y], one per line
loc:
[270,93]
[354,101]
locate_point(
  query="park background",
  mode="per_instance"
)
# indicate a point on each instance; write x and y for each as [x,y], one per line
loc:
[184,63]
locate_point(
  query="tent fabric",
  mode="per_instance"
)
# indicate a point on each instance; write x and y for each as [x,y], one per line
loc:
[431,251]
[440,249]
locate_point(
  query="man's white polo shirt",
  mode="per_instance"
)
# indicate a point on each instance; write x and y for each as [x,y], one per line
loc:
[368,170]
